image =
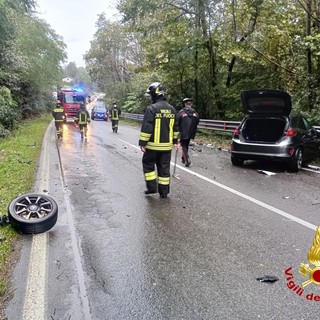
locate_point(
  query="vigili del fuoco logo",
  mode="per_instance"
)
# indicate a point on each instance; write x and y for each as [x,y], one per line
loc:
[312,273]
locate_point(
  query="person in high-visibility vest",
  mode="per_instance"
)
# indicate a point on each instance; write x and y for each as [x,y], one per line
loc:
[82,119]
[59,119]
[159,132]
[115,112]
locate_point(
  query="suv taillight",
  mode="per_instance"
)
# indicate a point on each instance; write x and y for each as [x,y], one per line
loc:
[236,131]
[291,133]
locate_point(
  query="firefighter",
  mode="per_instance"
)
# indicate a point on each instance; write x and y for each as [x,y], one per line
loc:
[82,119]
[159,132]
[188,120]
[59,119]
[115,112]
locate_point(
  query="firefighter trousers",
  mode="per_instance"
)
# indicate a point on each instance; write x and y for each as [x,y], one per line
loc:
[157,182]
[83,129]
[59,128]
[185,151]
[114,124]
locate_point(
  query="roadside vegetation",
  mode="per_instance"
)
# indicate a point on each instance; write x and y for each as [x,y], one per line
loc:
[31,54]
[19,156]
[211,51]
[219,140]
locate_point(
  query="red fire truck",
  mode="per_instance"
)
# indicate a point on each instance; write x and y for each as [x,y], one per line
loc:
[70,100]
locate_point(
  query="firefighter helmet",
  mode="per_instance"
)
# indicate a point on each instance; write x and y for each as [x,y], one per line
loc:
[187,100]
[155,90]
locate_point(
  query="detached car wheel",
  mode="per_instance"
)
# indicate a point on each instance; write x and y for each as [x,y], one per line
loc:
[33,213]
[296,162]
[237,161]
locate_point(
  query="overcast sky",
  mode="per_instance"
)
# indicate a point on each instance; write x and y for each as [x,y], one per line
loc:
[75,20]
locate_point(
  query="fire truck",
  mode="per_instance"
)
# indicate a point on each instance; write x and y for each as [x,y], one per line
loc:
[70,101]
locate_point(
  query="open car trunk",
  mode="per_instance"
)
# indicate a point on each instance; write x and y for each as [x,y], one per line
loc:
[264,129]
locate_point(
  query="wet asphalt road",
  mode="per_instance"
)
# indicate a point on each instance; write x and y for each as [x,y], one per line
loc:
[116,254]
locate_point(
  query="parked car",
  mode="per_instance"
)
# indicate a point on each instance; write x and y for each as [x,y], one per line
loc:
[270,131]
[100,112]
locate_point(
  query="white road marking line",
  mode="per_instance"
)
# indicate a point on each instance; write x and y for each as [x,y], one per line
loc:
[34,300]
[242,195]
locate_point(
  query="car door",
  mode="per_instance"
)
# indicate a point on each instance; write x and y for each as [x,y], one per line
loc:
[311,139]
[302,138]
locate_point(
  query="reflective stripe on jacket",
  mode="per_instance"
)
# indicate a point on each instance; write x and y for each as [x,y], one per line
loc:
[115,113]
[58,114]
[159,130]
[82,117]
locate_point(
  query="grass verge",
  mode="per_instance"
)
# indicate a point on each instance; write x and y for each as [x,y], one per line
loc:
[19,156]
[218,139]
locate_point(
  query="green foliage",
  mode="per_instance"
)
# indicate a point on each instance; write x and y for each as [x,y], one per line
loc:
[130,104]
[211,51]
[70,70]
[30,57]
[8,114]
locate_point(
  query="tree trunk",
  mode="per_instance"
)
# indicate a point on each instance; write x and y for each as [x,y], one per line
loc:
[196,80]
[251,28]
[212,64]
[309,57]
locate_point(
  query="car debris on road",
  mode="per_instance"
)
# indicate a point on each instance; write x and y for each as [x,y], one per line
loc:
[268,279]
[268,173]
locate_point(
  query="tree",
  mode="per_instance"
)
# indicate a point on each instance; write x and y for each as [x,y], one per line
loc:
[30,57]
[212,50]
[70,70]
[113,55]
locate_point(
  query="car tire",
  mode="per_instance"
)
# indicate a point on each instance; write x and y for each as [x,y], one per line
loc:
[236,161]
[296,161]
[32,213]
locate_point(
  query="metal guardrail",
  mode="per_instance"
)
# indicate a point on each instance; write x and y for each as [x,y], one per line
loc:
[132,116]
[218,125]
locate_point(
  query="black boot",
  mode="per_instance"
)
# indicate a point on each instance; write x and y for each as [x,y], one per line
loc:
[188,162]
[163,195]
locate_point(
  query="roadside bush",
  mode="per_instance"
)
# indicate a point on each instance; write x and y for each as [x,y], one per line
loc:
[4,132]
[8,112]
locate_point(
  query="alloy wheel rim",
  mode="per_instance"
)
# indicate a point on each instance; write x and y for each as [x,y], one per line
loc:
[33,207]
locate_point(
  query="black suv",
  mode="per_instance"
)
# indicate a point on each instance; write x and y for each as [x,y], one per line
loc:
[270,132]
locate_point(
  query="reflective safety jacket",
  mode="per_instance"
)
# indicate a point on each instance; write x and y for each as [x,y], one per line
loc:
[58,114]
[188,120]
[115,112]
[159,129]
[82,117]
